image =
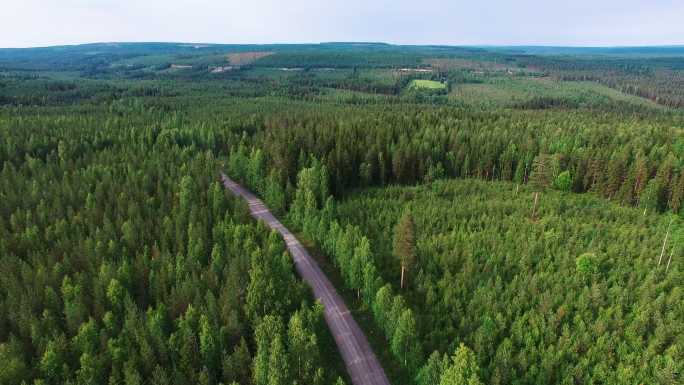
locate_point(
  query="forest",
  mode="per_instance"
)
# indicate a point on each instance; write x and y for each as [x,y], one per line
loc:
[497,216]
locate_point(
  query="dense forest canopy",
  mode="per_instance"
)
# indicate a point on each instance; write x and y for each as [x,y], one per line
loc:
[582,294]
[530,197]
[123,261]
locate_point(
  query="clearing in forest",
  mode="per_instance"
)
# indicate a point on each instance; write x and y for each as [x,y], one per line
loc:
[426,84]
[244,58]
[524,91]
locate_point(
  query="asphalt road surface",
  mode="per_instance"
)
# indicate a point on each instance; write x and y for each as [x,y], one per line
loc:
[362,365]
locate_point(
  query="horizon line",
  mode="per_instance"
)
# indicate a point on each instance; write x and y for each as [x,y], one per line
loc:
[484,45]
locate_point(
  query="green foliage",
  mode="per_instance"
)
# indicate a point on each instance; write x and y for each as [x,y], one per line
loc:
[430,84]
[274,194]
[404,241]
[424,86]
[303,347]
[463,369]
[650,197]
[351,252]
[586,264]
[53,362]
[513,289]
[404,341]
[12,365]
[431,372]
[563,181]
[286,354]
[278,369]
[123,261]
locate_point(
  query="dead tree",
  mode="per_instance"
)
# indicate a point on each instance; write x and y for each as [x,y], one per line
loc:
[540,178]
[667,234]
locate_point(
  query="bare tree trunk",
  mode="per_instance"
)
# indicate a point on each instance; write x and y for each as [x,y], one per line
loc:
[517,187]
[402,276]
[534,208]
[669,260]
[662,251]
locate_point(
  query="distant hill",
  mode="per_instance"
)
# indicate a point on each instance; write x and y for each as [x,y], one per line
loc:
[595,51]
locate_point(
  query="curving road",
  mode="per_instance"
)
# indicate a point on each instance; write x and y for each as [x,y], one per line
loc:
[362,365]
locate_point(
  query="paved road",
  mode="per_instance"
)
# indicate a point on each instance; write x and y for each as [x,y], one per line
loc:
[362,365]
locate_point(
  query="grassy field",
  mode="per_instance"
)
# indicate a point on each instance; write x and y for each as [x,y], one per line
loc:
[426,84]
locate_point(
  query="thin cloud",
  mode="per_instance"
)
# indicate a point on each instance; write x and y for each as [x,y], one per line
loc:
[459,22]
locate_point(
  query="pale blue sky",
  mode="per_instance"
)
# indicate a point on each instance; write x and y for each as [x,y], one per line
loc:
[456,22]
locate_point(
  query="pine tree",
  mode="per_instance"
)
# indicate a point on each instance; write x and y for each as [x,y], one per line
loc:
[209,347]
[641,174]
[87,338]
[53,361]
[186,194]
[463,369]
[677,245]
[650,196]
[260,292]
[541,177]
[404,244]
[88,372]
[217,259]
[520,173]
[256,171]
[677,196]
[13,368]
[132,375]
[274,195]
[74,309]
[160,376]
